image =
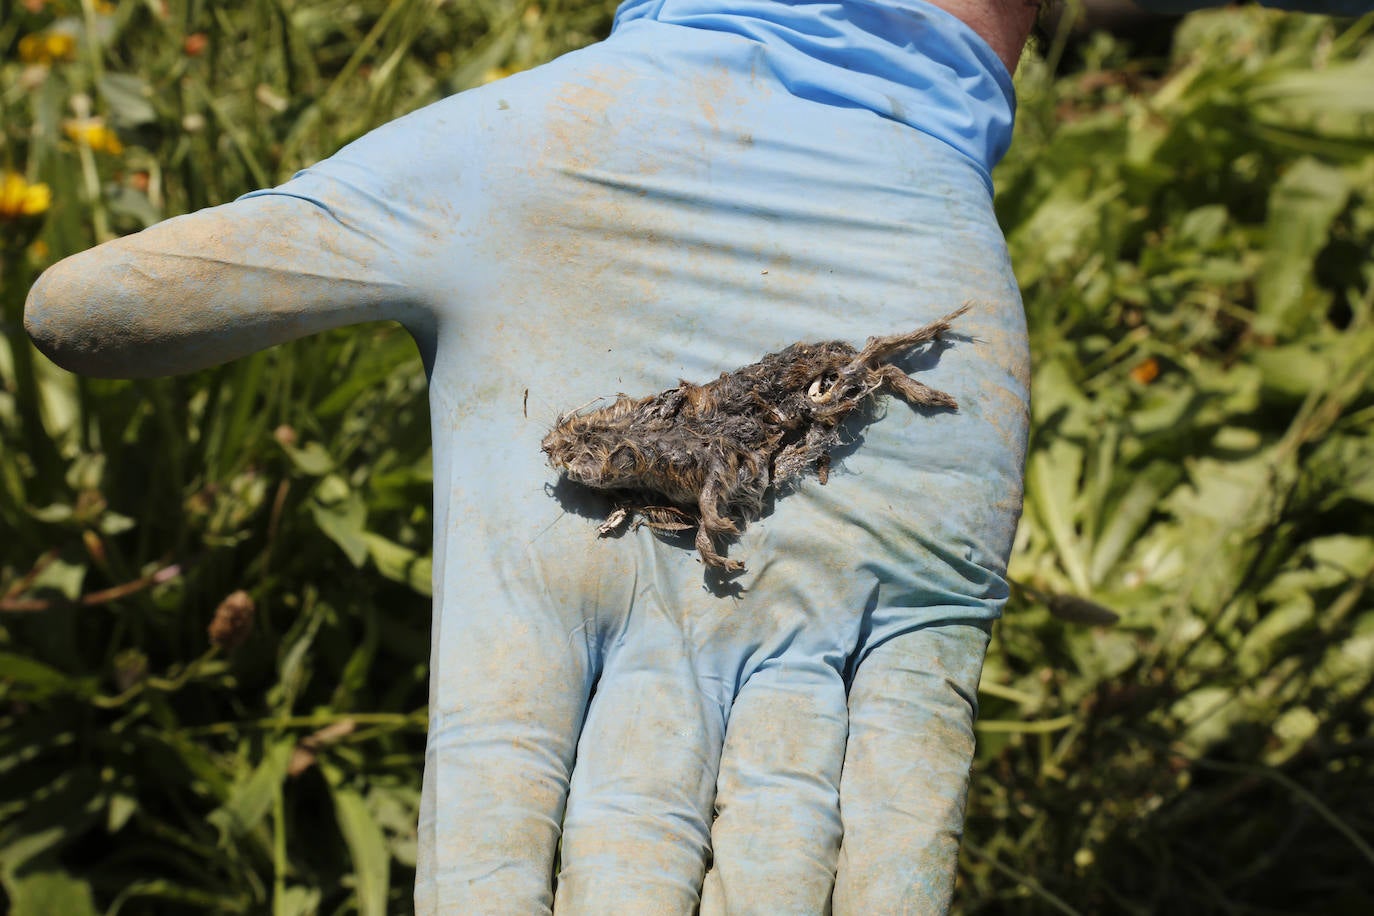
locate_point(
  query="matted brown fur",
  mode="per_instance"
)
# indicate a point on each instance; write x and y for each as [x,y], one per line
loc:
[705,455]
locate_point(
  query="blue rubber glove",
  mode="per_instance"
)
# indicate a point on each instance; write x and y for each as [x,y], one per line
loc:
[704,187]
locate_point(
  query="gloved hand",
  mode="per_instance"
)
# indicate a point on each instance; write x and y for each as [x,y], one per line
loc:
[702,188]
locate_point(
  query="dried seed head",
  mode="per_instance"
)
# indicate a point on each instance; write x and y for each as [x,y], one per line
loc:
[233,622]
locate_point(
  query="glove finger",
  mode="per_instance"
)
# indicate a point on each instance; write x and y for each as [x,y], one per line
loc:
[911,709]
[777,830]
[506,707]
[202,289]
[638,824]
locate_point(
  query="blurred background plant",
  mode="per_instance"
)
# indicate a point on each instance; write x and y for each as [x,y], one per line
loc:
[213,589]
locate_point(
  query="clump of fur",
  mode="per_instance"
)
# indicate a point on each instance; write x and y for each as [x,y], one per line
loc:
[705,455]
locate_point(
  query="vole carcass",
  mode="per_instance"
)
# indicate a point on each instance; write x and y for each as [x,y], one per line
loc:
[705,455]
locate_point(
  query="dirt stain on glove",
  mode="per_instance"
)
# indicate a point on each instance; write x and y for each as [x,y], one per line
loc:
[705,456]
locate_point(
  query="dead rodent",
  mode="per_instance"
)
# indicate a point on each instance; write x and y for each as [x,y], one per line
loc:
[705,455]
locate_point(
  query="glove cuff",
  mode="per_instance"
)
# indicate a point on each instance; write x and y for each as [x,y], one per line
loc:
[902,59]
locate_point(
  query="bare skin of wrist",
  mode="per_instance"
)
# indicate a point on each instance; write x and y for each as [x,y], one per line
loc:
[1003,24]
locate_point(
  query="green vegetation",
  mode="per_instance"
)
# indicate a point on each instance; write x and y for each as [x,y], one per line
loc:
[1194,241]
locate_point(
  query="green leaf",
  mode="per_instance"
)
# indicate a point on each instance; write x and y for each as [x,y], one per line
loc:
[1293,728]
[1346,667]
[1203,226]
[1351,554]
[396,809]
[1207,714]
[1053,485]
[57,815]
[311,459]
[1109,653]
[295,662]
[1301,208]
[195,899]
[23,742]
[400,564]
[1056,393]
[134,205]
[1229,493]
[122,807]
[114,523]
[1268,637]
[59,400]
[67,579]
[369,372]
[344,522]
[86,471]
[129,99]
[1144,497]
[1054,233]
[35,680]
[1342,88]
[52,514]
[185,757]
[49,893]
[297,901]
[1292,371]
[251,799]
[366,845]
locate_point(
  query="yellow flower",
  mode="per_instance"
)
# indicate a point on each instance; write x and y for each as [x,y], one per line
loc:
[18,198]
[46,47]
[93,133]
